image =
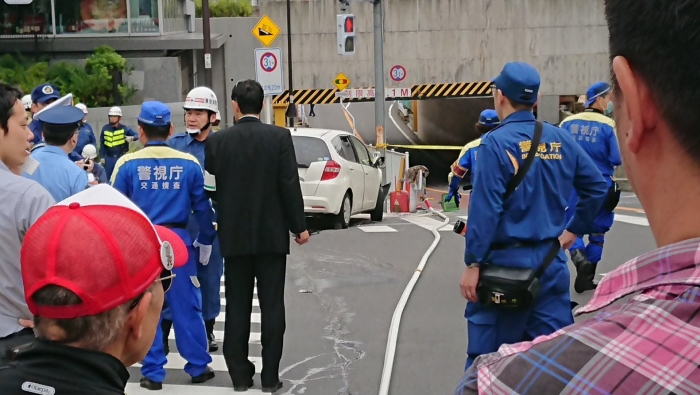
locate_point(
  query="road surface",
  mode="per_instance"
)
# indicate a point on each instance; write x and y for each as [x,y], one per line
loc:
[342,289]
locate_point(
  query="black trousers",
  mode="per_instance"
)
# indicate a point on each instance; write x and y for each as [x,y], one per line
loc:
[240,273]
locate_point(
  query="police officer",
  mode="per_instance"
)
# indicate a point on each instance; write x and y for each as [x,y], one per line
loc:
[85,137]
[42,96]
[594,131]
[114,140]
[522,231]
[167,185]
[27,104]
[56,172]
[201,108]
[488,119]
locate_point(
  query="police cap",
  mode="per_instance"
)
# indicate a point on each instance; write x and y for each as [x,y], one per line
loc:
[519,82]
[155,113]
[44,93]
[489,118]
[61,116]
[595,91]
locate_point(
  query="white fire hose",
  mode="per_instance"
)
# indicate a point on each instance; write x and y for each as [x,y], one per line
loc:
[396,319]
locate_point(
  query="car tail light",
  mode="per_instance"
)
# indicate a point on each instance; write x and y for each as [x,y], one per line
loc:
[331,170]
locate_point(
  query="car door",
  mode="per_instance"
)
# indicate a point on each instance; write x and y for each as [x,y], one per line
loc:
[371,174]
[357,172]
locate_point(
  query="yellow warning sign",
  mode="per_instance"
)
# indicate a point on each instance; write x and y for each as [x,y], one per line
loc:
[266,30]
[341,82]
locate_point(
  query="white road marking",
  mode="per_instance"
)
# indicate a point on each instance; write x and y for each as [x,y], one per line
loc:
[632,219]
[427,223]
[391,116]
[135,389]
[176,361]
[377,229]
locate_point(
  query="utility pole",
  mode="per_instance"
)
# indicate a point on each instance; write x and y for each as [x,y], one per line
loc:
[379,96]
[206,28]
[291,110]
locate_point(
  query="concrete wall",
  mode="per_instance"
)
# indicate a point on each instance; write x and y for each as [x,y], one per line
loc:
[233,62]
[441,41]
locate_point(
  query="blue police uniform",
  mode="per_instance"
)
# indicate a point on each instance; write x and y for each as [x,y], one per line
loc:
[167,185]
[209,275]
[42,94]
[595,133]
[113,144]
[86,136]
[56,172]
[518,232]
[467,158]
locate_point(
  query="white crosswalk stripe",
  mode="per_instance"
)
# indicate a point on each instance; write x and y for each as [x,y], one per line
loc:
[178,382]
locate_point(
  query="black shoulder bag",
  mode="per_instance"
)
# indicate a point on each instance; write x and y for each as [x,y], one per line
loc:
[508,287]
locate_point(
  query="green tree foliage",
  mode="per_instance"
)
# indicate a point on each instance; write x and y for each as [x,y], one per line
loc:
[226,8]
[90,84]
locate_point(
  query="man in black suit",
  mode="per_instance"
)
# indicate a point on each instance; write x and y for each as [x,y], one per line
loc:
[259,198]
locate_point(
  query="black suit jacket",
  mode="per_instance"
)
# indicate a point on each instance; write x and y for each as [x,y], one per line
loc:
[258,194]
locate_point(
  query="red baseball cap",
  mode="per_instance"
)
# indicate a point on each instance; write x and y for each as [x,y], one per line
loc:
[102,247]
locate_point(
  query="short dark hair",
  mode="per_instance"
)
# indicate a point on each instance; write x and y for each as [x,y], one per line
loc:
[249,95]
[59,134]
[481,128]
[519,106]
[8,98]
[661,41]
[155,132]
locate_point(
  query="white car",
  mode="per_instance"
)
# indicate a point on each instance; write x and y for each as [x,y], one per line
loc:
[338,175]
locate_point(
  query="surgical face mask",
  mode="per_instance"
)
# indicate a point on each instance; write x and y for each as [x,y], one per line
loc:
[609,109]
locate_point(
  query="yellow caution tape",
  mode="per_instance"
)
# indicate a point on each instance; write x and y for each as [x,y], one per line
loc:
[422,147]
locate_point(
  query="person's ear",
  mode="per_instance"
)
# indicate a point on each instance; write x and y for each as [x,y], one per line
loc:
[172,130]
[638,104]
[138,315]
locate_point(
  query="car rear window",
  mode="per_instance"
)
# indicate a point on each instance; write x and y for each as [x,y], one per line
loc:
[309,150]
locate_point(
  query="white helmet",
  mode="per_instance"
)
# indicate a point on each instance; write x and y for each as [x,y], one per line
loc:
[115,112]
[201,98]
[27,102]
[82,107]
[89,151]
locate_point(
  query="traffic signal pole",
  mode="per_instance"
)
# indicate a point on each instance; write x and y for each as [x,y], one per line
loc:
[291,110]
[379,96]
[206,31]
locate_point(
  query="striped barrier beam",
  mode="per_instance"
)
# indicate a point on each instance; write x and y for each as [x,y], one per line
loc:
[417,92]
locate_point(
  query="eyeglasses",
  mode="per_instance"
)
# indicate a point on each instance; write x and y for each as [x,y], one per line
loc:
[165,279]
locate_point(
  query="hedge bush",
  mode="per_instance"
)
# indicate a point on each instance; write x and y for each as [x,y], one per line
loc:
[225,8]
[90,84]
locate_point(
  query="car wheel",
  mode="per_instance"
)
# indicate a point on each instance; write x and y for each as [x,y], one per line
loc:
[343,217]
[378,213]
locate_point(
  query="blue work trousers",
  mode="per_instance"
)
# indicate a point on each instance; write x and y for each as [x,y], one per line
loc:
[596,239]
[185,305]
[210,275]
[110,162]
[488,327]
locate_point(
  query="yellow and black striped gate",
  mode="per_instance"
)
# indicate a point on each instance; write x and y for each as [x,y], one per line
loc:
[418,92]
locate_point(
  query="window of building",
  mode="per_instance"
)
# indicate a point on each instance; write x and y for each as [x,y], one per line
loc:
[91,17]
[29,19]
[144,16]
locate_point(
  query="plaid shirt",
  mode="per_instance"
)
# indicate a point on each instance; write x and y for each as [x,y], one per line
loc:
[649,345]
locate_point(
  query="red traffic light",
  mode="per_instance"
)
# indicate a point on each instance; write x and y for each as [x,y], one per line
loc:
[349,24]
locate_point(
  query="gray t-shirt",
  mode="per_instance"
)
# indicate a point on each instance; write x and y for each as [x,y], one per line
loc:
[22,202]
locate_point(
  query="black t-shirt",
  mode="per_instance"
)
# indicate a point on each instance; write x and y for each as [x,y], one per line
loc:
[44,367]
